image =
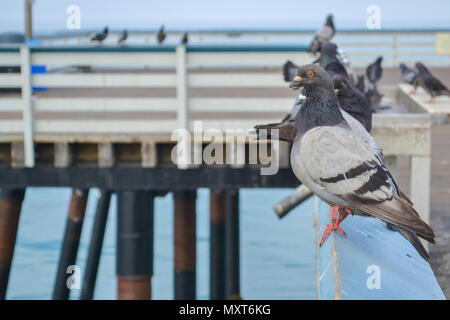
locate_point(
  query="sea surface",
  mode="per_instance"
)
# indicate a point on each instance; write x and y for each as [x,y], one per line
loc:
[277,256]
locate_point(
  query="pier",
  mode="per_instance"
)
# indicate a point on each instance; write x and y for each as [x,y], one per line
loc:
[86,123]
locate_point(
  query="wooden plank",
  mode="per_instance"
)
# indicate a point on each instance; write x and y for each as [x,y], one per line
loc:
[104,59]
[254,59]
[9,59]
[10,80]
[236,80]
[103,80]
[371,263]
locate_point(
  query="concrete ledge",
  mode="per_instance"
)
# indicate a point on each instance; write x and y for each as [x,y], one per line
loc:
[349,268]
[419,102]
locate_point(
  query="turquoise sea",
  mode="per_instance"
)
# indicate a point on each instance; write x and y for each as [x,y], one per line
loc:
[277,256]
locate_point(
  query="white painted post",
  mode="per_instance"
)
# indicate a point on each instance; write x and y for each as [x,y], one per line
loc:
[182,87]
[182,103]
[420,185]
[394,51]
[27,111]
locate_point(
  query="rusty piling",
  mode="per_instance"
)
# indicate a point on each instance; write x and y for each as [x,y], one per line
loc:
[69,250]
[95,247]
[217,244]
[185,244]
[134,244]
[232,260]
[10,207]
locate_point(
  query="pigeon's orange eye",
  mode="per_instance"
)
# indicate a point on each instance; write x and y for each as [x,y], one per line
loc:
[311,74]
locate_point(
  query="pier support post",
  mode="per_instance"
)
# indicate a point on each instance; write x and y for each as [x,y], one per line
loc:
[10,206]
[69,250]
[185,244]
[217,246]
[95,247]
[134,244]
[232,245]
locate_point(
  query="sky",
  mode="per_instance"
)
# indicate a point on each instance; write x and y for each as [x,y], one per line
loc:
[50,15]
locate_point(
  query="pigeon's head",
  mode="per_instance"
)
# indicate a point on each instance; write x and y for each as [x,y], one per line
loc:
[421,67]
[329,20]
[105,30]
[402,66]
[311,75]
[340,83]
[379,60]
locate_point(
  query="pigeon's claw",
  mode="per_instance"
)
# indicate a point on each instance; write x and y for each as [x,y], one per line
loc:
[335,211]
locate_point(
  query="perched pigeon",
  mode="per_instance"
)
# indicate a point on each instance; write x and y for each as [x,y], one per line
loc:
[430,83]
[185,38]
[100,36]
[360,84]
[161,35]
[323,35]
[373,96]
[410,76]
[353,101]
[329,60]
[123,37]
[344,169]
[374,71]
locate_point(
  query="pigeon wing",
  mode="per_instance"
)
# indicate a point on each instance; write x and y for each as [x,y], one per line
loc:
[346,166]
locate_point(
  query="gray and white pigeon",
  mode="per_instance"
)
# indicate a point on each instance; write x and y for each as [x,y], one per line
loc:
[161,35]
[100,37]
[344,169]
[430,83]
[123,37]
[374,71]
[323,35]
[410,76]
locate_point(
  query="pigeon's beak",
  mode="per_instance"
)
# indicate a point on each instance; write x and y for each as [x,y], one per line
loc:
[296,83]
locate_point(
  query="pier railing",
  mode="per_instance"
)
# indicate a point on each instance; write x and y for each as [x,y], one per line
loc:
[223,86]
[362,46]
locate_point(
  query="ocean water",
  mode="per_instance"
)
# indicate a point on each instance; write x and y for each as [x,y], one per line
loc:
[277,256]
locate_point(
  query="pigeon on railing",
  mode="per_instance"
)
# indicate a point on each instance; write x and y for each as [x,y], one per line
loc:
[100,37]
[430,83]
[161,35]
[342,168]
[185,38]
[123,37]
[322,36]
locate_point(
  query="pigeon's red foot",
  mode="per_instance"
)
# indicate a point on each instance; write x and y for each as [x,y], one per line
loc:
[413,91]
[335,211]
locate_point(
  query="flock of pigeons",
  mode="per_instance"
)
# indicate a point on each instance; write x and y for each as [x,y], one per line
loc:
[160,36]
[333,153]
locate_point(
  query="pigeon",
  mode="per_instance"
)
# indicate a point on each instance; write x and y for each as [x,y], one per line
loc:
[374,97]
[123,37]
[161,35]
[353,101]
[323,35]
[185,38]
[100,36]
[329,61]
[360,84]
[430,83]
[342,168]
[374,71]
[409,76]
